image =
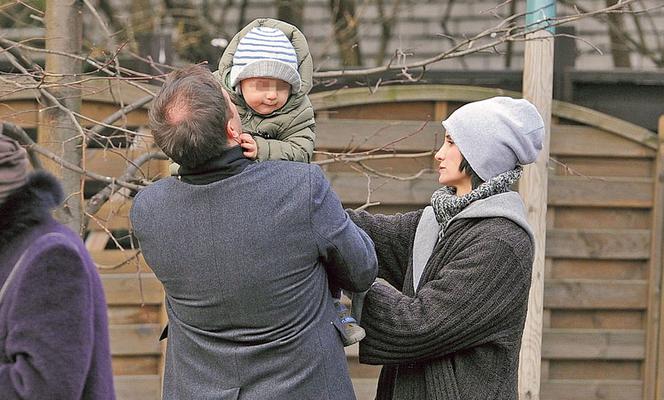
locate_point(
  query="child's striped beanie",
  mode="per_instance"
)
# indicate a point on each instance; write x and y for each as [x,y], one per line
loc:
[265,52]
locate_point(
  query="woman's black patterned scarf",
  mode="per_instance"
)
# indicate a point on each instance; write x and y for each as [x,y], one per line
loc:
[446,204]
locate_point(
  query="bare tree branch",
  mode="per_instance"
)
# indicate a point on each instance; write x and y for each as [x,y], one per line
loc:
[498,35]
[97,201]
[17,133]
[105,125]
[357,157]
[31,146]
[391,176]
[638,45]
[100,66]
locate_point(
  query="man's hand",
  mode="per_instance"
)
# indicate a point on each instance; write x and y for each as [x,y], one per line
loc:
[249,146]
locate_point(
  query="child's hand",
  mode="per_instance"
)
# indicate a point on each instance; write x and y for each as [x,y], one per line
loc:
[249,146]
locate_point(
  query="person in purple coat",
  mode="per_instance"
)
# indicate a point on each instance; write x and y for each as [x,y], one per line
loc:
[53,326]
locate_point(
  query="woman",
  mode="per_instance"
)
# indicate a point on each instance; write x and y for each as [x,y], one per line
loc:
[447,320]
[53,327]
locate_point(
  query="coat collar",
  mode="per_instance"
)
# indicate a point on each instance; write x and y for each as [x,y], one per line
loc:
[231,162]
[28,206]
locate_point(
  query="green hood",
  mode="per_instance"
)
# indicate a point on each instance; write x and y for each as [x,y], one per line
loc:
[299,42]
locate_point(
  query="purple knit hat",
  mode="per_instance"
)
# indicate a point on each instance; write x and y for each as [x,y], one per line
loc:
[14,166]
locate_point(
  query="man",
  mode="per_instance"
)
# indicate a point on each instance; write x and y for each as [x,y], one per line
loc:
[244,251]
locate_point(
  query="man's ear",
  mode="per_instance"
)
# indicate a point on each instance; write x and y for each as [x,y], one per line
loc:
[231,132]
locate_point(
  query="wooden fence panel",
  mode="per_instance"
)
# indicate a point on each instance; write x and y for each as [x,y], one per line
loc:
[603,166]
[597,319]
[130,314]
[602,218]
[594,344]
[391,135]
[120,261]
[138,387]
[603,269]
[570,389]
[600,192]
[136,289]
[595,294]
[654,367]
[113,162]
[603,336]
[135,339]
[610,370]
[585,141]
[415,111]
[600,244]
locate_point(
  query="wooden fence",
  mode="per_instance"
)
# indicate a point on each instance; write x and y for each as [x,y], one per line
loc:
[603,337]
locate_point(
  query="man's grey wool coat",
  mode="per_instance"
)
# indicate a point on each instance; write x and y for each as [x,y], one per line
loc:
[245,263]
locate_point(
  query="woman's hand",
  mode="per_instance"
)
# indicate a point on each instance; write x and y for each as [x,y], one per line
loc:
[381,281]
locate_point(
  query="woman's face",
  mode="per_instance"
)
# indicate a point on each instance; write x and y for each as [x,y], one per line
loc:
[449,158]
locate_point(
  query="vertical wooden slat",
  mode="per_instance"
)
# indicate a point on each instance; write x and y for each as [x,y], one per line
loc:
[654,363]
[440,111]
[96,241]
[548,273]
[537,85]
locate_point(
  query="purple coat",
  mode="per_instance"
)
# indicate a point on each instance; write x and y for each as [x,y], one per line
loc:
[53,326]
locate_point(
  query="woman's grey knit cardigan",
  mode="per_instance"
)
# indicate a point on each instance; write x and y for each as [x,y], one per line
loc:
[460,337]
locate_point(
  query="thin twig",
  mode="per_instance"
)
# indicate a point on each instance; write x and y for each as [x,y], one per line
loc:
[469,44]
[98,17]
[352,158]
[394,177]
[98,200]
[106,123]
[17,133]
[30,145]
[572,171]
[122,263]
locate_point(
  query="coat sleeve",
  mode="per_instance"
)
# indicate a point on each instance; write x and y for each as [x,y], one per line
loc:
[298,146]
[345,250]
[49,346]
[478,297]
[393,236]
[294,142]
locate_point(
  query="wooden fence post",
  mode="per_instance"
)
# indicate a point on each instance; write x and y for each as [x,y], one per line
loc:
[538,89]
[654,363]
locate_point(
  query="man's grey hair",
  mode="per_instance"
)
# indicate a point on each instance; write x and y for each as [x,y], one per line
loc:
[188,117]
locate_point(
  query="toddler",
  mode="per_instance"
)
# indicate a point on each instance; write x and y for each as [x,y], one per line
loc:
[267,70]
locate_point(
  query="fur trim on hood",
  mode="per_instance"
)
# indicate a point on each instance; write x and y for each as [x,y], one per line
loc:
[305,62]
[28,205]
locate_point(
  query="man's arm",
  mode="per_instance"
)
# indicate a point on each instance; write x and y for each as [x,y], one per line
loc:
[393,236]
[294,142]
[346,251]
[298,146]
